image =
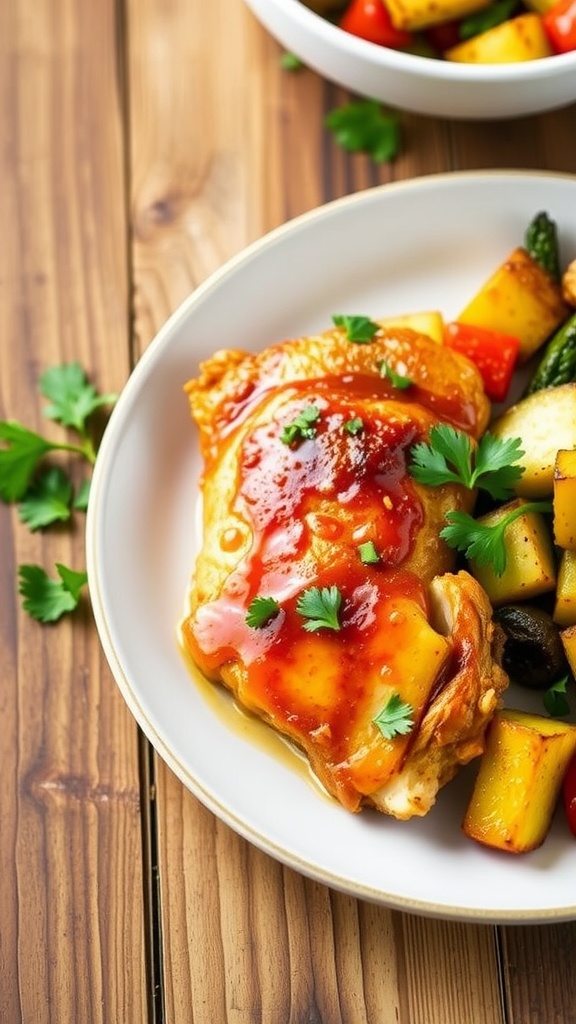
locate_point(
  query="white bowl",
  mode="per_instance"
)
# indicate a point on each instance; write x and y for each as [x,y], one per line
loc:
[419,84]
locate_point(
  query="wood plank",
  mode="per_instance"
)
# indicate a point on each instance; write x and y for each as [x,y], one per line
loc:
[249,939]
[71,940]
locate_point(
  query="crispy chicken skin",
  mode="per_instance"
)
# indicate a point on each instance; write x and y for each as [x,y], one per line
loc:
[281,516]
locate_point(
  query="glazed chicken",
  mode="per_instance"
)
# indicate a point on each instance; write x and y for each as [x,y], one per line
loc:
[307,493]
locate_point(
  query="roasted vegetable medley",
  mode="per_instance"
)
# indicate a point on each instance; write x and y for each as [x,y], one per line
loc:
[520,541]
[464,31]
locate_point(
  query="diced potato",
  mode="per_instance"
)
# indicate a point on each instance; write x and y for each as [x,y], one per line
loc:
[545,422]
[565,606]
[521,299]
[519,780]
[530,563]
[568,638]
[565,499]
[416,14]
[429,322]
[522,38]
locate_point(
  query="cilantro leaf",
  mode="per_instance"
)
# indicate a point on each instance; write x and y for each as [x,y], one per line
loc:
[359,329]
[261,610]
[368,553]
[320,607]
[484,543]
[48,500]
[366,127]
[449,457]
[395,718]
[73,399]
[47,599]
[302,426]
[397,380]
[81,499]
[19,458]
[554,699]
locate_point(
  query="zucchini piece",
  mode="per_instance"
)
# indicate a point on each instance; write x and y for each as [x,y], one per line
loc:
[541,241]
[558,362]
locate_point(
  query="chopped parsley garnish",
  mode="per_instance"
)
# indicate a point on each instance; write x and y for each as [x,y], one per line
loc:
[395,718]
[302,427]
[261,611]
[483,543]
[368,553]
[320,606]
[49,500]
[359,329]
[366,127]
[450,457]
[354,426]
[397,380]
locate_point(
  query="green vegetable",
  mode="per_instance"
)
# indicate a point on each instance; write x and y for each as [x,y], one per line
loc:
[396,379]
[261,610]
[366,127]
[359,329]
[368,553]
[558,361]
[48,501]
[482,21]
[302,427]
[290,62]
[541,241]
[46,599]
[481,542]
[449,457]
[320,607]
[395,719]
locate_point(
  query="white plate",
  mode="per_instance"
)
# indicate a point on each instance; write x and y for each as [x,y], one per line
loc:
[426,243]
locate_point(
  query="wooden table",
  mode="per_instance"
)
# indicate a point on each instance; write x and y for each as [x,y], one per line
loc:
[143,143]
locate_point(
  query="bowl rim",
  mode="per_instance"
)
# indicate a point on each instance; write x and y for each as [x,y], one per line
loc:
[557,65]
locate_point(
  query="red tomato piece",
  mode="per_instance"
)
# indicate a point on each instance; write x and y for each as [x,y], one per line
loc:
[559,23]
[493,352]
[569,795]
[369,19]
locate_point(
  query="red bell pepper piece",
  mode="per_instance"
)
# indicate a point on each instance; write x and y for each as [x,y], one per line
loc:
[369,19]
[569,795]
[493,352]
[559,23]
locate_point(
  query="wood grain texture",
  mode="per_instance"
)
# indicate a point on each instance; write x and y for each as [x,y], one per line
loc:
[71,938]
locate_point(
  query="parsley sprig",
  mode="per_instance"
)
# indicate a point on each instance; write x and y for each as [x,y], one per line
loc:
[449,456]
[261,611]
[397,380]
[395,718]
[44,492]
[483,543]
[367,127]
[302,427]
[359,329]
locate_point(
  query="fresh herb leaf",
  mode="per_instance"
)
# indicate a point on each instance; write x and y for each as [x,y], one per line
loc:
[354,426]
[73,398]
[261,610]
[82,496]
[302,426]
[484,543]
[366,127]
[359,329]
[19,459]
[47,599]
[395,718]
[48,500]
[397,380]
[481,21]
[290,62]
[554,699]
[449,457]
[368,553]
[320,607]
